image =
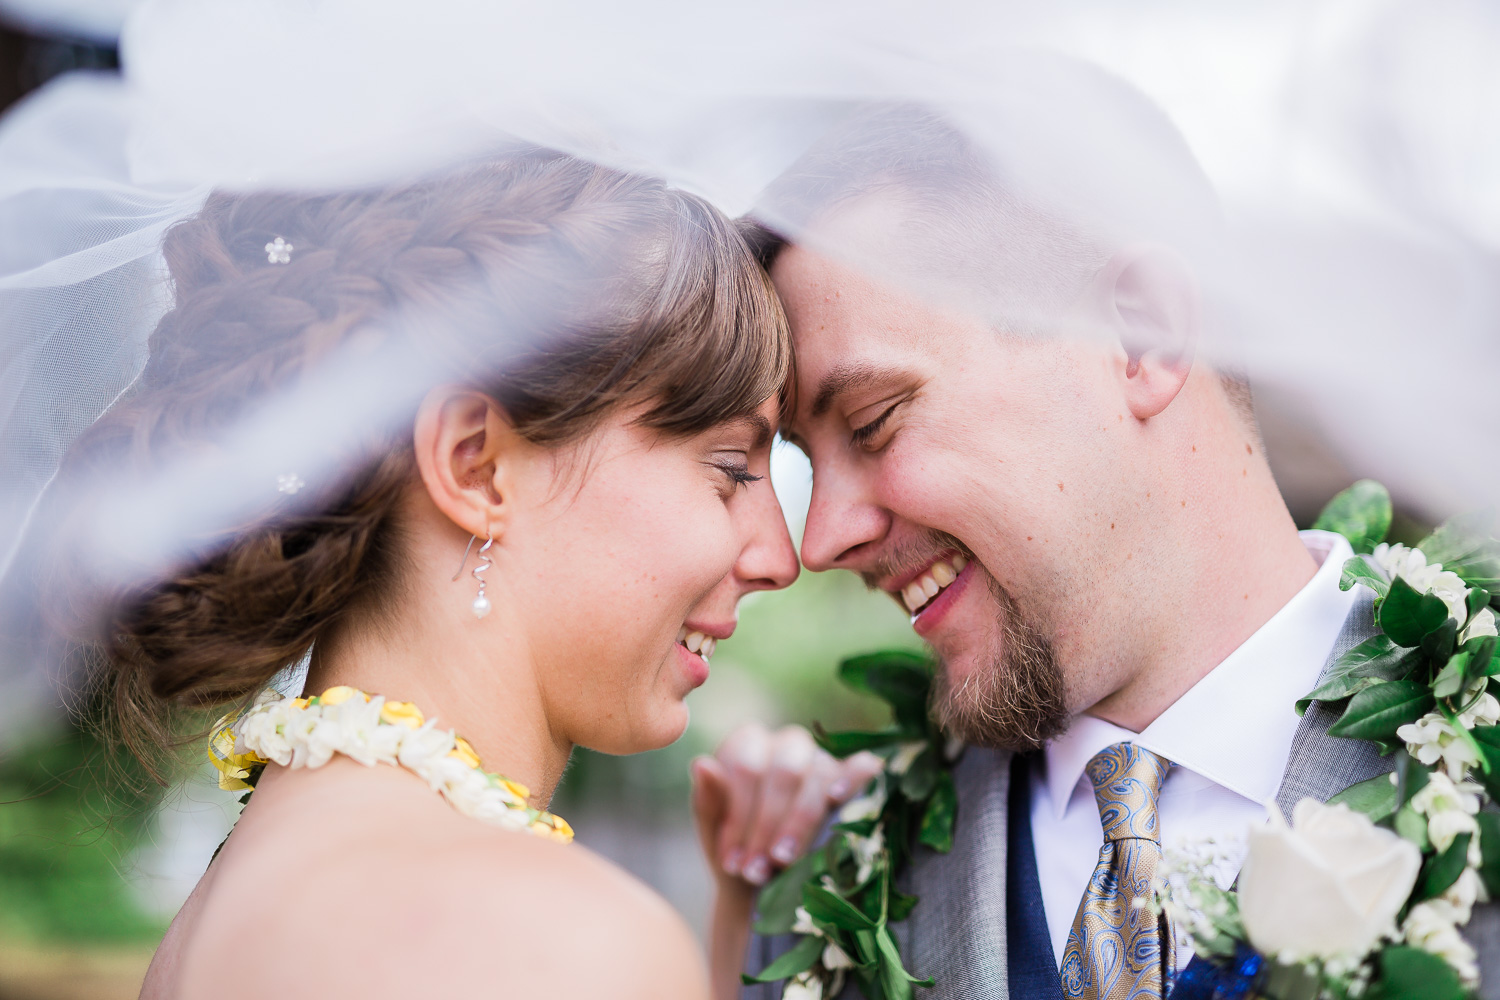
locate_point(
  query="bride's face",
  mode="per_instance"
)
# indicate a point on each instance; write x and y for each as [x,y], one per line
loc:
[622,544]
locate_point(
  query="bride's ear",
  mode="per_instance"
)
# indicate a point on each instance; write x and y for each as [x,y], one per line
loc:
[466,449]
[1149,299]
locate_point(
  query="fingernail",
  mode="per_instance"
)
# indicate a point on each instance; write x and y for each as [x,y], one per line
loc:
[785,850]
[732,861]
[757,871]
[838,789]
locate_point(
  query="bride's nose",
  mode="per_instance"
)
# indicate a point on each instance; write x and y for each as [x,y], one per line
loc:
[769,560]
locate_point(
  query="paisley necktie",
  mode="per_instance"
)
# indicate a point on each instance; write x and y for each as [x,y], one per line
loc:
[1118,949]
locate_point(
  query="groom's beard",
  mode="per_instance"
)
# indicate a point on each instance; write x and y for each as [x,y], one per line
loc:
[1016,700]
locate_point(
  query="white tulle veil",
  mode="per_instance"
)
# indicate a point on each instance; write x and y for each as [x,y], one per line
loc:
[1335,185]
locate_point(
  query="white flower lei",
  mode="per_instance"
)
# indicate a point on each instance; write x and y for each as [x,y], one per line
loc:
[307,732]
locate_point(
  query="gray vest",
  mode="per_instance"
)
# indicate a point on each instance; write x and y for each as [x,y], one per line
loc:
[957,932]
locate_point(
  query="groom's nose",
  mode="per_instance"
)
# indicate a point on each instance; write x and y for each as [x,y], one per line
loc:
[844,525]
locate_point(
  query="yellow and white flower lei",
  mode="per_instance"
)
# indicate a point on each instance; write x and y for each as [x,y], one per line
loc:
[307,732]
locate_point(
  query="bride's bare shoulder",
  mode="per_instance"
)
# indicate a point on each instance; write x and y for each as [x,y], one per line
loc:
[383,905]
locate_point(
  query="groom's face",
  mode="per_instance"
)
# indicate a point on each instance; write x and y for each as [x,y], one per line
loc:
[938,444]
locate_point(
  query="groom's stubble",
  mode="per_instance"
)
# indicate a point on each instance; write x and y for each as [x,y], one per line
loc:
[1015,698]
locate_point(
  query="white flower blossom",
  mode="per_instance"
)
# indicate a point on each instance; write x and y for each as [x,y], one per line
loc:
[803,986]
[1449,807]
[1429,926]
[1432,738]
[1412,566]
[867,806]
[835,958]
[802,923]
[866,850]
[1481,625]
[905,756]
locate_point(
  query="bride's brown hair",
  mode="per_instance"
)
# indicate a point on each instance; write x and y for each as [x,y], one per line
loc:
[650,296]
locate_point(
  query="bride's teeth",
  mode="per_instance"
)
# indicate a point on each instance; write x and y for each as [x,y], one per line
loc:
[943,574]
[929,587]
[959,562]
[682,634]
[708,647]
[914,597]
[694,641]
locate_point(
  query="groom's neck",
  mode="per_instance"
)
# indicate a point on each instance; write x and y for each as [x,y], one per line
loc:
[1224,566]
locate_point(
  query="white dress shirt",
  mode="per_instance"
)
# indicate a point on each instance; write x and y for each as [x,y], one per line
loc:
[1228,739]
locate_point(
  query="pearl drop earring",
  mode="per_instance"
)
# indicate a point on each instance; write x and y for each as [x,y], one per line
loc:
[481,605]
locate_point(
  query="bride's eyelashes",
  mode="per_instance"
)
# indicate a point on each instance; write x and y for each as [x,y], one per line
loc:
[738,473]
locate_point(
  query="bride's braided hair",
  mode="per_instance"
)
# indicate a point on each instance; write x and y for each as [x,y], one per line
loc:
[651,296]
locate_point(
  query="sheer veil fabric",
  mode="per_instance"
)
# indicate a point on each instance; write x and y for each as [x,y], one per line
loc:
[1344,222]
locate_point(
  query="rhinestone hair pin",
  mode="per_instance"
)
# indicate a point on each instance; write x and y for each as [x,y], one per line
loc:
[289,483]
[279,251]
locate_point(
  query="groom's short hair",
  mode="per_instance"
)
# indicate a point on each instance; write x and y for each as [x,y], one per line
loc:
[1014,205]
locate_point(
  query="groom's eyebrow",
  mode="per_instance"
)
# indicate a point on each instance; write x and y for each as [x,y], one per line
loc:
[841,378]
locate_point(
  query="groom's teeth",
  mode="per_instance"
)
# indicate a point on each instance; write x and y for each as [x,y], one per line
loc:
[913,597]
[927,586]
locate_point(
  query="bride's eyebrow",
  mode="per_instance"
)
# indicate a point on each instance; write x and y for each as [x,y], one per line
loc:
[759,426]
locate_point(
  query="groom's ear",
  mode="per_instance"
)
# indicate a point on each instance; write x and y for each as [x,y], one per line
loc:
[466,450]
[1149,300]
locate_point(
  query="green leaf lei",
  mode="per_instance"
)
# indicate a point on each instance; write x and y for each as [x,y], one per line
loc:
[1415,690]
[840,898]
[1429,666]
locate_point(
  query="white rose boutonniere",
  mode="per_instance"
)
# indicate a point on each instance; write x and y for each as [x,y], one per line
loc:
[1327,887]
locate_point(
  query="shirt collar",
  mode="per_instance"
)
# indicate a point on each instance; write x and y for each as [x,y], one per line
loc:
[1244,747]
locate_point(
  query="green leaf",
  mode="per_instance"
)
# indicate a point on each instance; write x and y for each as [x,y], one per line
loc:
[834,909]
[1377,712]
[1478,598]
[1489,847]
[1375,798]
[799,958]
[918,781]
[1376,659]
[1408,973]
[1440,642]
[778,901]
[894,978]
[901,679]
[1487,738]
[901,906]
[1467,545]
[1452,678]
[846,743]
[942,809]
[1412,825]
[1442,870]
[1411,777]
[1407,616]
[1482,659]
[1360,570]
[1362,514]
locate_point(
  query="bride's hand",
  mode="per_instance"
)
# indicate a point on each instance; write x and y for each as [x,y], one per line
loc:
[764,795]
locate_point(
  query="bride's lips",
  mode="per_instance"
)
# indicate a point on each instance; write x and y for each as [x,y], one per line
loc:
[931,616]
[695,646]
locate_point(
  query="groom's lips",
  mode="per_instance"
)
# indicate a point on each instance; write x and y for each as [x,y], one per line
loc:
[932,615]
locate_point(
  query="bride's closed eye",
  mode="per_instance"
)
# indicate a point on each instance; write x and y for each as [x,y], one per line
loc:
[736,469]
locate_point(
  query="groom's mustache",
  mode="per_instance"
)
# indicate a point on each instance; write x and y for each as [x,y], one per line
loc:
[914,553]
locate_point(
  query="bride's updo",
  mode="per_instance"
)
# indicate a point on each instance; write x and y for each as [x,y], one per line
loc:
[649,296]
